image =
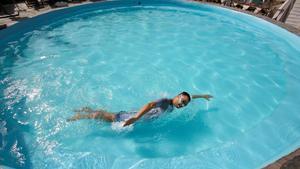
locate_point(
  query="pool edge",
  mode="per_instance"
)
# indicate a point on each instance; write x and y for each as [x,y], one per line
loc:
[280,24]
[287,27]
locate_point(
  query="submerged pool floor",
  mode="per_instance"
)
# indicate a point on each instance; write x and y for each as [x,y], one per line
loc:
[120,55]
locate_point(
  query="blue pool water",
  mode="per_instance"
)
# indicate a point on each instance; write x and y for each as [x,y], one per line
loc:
[118,56]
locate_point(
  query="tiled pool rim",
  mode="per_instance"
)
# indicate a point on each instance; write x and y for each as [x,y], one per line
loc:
[293,142]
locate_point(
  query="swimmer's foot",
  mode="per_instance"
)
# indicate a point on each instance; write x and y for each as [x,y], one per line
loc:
[74,118]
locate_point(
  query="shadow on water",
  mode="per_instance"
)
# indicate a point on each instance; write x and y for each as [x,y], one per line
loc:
[13,150]
[177,136]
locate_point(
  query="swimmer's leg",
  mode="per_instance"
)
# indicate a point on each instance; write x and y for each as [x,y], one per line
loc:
[98,114]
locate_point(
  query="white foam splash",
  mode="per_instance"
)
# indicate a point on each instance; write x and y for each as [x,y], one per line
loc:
[34,93]
[118,127]
[43,57]
[16,151]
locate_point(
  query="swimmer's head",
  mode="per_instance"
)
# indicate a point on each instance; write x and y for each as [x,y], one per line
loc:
[181,100]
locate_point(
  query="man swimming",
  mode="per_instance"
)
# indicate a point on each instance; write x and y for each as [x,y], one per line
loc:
[148,111]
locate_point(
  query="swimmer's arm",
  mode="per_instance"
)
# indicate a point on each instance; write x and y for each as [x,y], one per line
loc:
[140,113]
[204,96]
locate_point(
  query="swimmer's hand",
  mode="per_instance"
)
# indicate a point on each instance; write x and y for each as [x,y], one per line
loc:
[130,121]
[204,96]
[207,97]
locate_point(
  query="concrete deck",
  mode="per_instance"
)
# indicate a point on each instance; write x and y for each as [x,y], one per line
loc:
[294,16]
[281,24]
[26,13]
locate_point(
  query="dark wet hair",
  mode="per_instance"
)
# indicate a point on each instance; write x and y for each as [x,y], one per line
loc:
[187,95]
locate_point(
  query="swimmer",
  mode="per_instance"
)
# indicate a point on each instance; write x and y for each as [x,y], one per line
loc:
[148,111]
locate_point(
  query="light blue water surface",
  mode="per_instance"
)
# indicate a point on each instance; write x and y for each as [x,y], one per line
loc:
[120,55]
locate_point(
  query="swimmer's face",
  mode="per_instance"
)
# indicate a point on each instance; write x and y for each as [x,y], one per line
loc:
[180,101]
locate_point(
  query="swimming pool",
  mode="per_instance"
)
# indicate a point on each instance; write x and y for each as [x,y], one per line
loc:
[119,55]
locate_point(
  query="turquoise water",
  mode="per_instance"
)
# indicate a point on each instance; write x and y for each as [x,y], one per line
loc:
[120,55]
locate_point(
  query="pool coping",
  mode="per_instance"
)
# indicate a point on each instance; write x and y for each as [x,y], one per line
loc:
[278,23]
[285,161]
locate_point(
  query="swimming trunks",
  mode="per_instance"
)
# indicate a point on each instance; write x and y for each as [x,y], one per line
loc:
[123,115]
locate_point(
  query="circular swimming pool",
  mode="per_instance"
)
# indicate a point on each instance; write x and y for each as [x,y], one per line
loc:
[120,55]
